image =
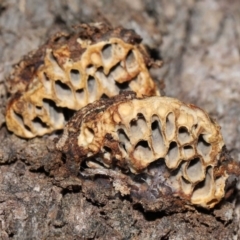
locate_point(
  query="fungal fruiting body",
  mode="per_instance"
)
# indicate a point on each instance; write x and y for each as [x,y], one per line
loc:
[72,70]
[174,144]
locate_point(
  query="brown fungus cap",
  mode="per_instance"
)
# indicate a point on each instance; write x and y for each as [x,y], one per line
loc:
[141,135]
[72,70]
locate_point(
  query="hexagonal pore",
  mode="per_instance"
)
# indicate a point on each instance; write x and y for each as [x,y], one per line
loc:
[63,92]
[80,96]
[172,157]
[19,119]
[131,62]
[183,135]
[157,136]
[138,127]
[106,81]
[188,152]
[92,88]
[75,77]
[143,152]
[55,113]
[39,125]
[118,73]
[124,140]
[204,148]
[107,52]
[195,170]
[203,192]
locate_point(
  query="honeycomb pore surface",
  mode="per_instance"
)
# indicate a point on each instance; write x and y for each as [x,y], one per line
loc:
[133,136]
[72,70]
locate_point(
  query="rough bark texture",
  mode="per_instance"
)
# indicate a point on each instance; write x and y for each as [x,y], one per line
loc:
[199,43]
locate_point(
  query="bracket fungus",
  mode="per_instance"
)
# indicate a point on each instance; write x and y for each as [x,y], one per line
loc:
[72,70]
[177,146]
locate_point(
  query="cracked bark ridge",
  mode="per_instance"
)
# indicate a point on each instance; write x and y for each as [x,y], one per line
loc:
[63,207]
[72,70]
